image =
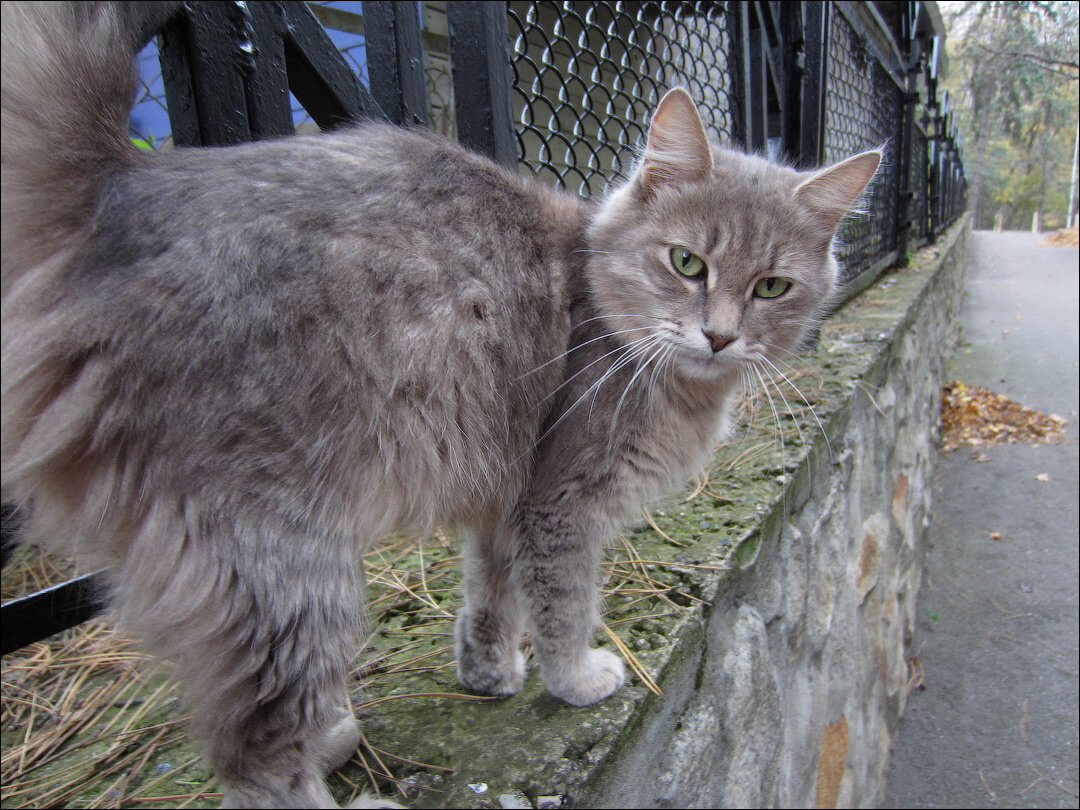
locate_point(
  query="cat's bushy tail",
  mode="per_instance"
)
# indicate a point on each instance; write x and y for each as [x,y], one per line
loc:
[68,86]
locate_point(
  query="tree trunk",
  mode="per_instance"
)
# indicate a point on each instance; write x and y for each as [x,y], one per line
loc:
[976,170]
[1070,220]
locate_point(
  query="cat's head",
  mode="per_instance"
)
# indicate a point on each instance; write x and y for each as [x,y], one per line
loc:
[712,259]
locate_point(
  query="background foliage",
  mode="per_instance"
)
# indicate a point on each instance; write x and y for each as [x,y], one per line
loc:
[1012,77]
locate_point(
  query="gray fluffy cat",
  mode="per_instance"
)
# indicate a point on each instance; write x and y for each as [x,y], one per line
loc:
[229,371]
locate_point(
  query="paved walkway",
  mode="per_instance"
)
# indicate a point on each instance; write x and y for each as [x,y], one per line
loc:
[996,722]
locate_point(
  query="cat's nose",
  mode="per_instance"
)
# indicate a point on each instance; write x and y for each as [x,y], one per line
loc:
[718,342]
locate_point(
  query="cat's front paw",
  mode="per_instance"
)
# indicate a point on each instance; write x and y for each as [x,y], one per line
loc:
[587,679]
[492,677]
[488,669]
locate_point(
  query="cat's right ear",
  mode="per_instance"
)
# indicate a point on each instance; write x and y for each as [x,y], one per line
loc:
[678,150]
[832,192]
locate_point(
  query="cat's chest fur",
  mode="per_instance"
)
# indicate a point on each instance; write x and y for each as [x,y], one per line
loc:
[622,429]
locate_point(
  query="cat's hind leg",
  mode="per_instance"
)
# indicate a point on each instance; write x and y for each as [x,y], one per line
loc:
[340,740]
[261,622]
[489,627]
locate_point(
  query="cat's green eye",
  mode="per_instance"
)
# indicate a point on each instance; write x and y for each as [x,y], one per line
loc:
[686,263]
[772,287]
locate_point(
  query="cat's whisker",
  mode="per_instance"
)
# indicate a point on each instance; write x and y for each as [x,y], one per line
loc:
[660,368]
[778,348]
[780,391]
[630,350]
[751,393]
[813,412]
[618,407]
[622,315]
[627,349]
[625,360]
[662,364]
[573,349]
[776,415]
[639,348]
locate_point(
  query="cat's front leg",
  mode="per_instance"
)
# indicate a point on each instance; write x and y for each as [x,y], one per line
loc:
[489,627]
[558,565]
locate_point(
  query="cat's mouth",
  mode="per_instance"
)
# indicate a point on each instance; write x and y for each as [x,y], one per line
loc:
[710,360]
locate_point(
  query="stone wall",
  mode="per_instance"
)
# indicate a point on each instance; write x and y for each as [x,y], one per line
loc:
[803,667]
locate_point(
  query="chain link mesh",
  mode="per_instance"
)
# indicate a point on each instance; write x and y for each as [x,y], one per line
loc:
[587,75]
[919,182]
[863,110]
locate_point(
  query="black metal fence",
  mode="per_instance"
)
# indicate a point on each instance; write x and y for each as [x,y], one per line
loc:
[563,90]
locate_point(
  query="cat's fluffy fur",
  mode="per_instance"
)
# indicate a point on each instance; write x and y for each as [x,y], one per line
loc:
[230,370]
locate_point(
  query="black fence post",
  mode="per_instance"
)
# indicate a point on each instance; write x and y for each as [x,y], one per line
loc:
[814,80]
[751,60]
[51,610]
[906,201]
[480,59]
[204,85]
[738,69]
[769,61]
[395,60]
[319,76]
[793,54]
[266,80]
[933,137]
[228,69]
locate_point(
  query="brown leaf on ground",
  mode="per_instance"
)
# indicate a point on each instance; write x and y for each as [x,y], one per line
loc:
[1065,237]
[976,416]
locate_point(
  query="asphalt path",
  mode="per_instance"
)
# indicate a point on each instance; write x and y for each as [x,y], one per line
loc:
[994,723]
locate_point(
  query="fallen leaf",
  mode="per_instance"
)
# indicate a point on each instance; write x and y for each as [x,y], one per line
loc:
[995,535]
[1066,237]
[975,416]
[1042,477]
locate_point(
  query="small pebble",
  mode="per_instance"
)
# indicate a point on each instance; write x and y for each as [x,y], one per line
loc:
[514,801]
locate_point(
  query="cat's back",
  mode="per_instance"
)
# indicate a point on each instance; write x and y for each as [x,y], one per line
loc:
[411,252]
[358,312]
[366,189]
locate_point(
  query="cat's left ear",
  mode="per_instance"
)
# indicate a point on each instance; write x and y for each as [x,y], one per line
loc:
[678,150]
[832,192]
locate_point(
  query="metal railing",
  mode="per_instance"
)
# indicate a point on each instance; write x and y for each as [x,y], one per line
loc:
[563,90]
